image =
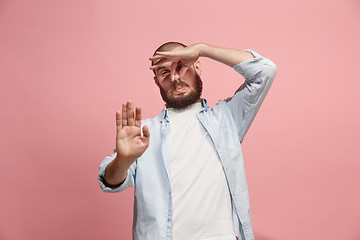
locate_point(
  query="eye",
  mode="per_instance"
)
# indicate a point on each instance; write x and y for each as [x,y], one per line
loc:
[164,72]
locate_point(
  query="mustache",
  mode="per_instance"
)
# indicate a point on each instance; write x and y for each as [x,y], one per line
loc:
[180,84]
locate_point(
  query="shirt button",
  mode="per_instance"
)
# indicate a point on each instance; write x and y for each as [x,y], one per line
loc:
[169,218]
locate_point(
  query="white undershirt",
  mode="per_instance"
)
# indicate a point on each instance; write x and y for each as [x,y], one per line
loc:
[201,199]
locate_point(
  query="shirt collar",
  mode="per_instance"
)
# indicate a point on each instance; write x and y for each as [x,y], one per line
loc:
[165,116]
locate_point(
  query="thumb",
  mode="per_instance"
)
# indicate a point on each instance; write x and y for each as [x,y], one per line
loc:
[146,134]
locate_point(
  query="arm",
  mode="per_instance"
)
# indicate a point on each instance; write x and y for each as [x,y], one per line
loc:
[228,56]
[258,72]
[130,145]
[189,55]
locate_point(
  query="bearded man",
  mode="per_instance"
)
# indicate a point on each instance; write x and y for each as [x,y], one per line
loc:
[189,176]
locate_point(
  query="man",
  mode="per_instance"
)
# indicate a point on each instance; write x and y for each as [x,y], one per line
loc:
[189,175]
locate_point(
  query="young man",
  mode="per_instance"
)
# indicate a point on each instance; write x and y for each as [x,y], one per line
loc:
[189,175]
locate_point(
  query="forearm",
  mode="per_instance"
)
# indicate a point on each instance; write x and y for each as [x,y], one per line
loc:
[228,56]
[116,172]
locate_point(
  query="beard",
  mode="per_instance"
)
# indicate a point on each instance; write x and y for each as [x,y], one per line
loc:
[182,101]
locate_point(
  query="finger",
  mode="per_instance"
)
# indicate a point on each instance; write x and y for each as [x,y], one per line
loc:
[156,57]
[118,121]
[159,63]
[153,67]
[172,56]
[130,113]
[161,55]
[124,115]
[183,71]
[138,117]
[174,53]
[172,70]
[146,135]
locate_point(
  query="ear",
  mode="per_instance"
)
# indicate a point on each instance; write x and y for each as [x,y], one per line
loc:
[156,80]
[197,67]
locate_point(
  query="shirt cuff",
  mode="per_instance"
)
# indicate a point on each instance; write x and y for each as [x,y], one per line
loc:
[128,182]
[121,187]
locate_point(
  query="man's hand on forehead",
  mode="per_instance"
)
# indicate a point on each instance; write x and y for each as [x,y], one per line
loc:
[181,57]
[168,64]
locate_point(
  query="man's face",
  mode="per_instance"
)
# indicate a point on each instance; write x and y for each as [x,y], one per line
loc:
[179,92]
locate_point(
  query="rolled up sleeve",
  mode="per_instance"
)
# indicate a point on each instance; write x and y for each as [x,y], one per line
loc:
[128,182]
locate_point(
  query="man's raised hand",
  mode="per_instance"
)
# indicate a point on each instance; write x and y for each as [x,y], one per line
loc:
[186,56]
[130,143]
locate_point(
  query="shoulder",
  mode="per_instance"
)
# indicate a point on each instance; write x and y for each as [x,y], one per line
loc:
[217,111]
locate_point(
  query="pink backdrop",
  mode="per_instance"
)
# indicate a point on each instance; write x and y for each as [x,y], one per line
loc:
[66,66]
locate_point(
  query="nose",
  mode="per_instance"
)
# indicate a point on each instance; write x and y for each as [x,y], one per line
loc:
[176,76]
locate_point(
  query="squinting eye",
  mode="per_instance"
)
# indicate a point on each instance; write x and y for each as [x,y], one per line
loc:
[164,72]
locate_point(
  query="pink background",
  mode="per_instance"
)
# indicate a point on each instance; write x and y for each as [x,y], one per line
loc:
[66,66]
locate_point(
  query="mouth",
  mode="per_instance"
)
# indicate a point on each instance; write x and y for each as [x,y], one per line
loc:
[180,89]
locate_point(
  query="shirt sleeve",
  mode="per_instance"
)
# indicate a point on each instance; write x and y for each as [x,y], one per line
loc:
[129,180]
[259,73]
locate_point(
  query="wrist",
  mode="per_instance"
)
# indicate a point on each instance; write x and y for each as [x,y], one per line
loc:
[201,48]
[123,162]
